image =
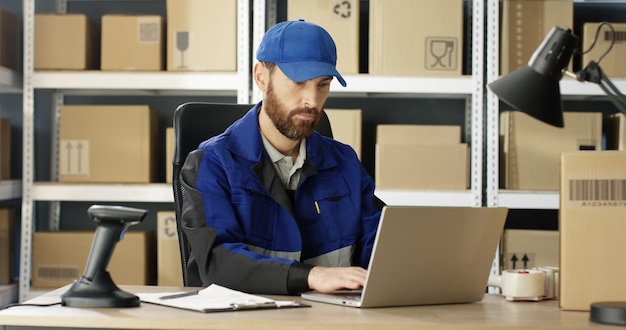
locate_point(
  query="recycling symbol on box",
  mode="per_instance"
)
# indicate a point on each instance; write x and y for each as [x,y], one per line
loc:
[343,9]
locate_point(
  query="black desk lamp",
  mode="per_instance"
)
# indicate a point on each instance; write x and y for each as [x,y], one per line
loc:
[95,288]
[534,89]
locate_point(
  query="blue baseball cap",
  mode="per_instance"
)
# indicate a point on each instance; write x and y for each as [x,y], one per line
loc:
[302,51]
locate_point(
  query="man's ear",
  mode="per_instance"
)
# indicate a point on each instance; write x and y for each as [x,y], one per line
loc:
[261,76]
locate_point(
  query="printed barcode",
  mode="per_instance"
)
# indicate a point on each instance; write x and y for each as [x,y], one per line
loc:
[619,36]
[57,273]
[597,190]
[148,32]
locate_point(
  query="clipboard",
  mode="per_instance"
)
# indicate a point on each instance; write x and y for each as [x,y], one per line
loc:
[216,298]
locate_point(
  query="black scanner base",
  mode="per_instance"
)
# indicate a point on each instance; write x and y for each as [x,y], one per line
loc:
[101,292]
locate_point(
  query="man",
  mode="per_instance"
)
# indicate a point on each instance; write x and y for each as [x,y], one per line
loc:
[271,206]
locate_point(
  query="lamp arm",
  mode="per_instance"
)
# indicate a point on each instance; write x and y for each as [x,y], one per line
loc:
[593,73]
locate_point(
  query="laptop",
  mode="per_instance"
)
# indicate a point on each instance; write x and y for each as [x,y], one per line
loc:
[427,256]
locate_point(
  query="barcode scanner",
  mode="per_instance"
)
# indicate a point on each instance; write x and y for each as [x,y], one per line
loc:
[95,288]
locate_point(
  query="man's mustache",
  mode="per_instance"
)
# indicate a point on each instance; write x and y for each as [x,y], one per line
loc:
[308,111]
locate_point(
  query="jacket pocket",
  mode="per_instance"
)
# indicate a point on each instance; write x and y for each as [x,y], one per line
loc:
[256,214]
[336,210]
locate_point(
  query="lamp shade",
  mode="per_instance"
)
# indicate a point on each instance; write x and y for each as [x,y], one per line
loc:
[534,89]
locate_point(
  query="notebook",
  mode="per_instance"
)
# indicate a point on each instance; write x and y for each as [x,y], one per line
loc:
[427,256]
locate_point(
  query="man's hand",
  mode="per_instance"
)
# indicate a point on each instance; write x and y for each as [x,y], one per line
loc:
[327,279]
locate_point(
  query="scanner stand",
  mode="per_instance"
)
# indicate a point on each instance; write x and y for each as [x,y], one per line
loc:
[95,288]
[100,292]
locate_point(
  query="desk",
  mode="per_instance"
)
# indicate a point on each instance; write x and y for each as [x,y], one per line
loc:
[492,312]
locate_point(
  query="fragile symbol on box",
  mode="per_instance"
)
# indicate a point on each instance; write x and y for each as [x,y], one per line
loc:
[182,44]
[74,158]
[441,53]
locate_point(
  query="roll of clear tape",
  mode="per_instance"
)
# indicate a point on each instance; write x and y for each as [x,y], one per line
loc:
[552,281]
[524,284]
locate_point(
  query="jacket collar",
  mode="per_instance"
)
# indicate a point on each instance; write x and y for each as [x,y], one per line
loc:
[245,141]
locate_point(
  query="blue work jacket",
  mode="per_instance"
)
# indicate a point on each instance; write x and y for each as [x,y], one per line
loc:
[245,233]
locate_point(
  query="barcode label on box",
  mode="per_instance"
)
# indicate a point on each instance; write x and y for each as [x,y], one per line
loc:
[57,273]
[148,31]
[620,36]
[597,190]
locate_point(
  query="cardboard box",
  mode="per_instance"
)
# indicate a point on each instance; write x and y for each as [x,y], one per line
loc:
[60,257]
[409,38]
[422,166]
[418,134]
[616,132]
[7,240]
[527,248]
[8,294]
[202,35]
[169,266]
[346,126]
[5,149]
[591,223]
[613,63]
[340,19]
[132,43]
[170,145]
[10,37]
[65,42]
[108,143]
[525,23]
[531,149]
[421,157]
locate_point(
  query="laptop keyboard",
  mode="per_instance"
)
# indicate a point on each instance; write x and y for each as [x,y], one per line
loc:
[354,296]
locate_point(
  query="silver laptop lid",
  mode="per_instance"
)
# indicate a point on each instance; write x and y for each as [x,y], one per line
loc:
[432,255]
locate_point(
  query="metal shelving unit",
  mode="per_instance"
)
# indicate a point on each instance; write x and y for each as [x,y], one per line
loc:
[570,90]
[469,88]
[141,83]
[63,83]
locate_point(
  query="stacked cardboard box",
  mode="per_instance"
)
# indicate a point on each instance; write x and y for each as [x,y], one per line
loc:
[66,42]
[407,37]
[170,145]
[591,224]
[132,43]
[5,149]
[7,239]
[201,35]
[108,143]
[528,248]
[59,258]
[346,126]
[616,132]
[9,40]
[421,157]
[169,266]
[531,149]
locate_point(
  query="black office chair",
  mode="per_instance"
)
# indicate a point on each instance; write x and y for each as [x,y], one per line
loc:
[195,122]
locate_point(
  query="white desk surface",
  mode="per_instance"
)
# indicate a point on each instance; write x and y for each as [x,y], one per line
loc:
[492,312]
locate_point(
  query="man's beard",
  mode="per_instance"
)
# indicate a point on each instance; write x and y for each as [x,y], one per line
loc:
[286,123]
